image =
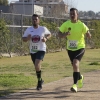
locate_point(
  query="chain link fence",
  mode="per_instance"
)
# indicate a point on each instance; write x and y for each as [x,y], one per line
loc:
[17,23]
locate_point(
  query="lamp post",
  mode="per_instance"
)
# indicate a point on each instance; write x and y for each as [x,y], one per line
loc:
[32,7]
[23,8]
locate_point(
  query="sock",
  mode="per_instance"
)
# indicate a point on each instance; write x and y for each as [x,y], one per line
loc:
[80,77]
[38,73]
[75,77]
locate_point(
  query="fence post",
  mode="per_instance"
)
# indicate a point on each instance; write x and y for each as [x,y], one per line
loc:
[0,13]
[21,28]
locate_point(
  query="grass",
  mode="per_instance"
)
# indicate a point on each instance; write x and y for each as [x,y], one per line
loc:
[18,73]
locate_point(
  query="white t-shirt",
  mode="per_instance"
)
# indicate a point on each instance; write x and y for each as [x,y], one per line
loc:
[36,43]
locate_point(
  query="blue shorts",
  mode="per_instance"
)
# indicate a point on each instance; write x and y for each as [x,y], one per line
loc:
[38,55]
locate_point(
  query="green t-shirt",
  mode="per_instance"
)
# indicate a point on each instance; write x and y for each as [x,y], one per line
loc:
[76,39]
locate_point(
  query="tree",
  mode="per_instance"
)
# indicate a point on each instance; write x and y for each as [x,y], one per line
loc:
[4,37]
[1,2]
[95,31]
[91,13]
[4,2]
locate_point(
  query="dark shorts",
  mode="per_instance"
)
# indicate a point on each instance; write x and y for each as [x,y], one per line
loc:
[78,54]
[38,55]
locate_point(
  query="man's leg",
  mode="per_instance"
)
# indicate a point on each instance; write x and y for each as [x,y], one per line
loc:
[78,78]
[76,72]
[38,60]
[38,68]
[75,57]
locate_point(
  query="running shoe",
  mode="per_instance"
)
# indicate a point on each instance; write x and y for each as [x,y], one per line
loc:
[39,85]
[74,88]
[80,82]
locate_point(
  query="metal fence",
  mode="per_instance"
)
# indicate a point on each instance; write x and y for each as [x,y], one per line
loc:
[17,23]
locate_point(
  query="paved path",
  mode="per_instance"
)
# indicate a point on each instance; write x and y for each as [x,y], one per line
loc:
[60,90]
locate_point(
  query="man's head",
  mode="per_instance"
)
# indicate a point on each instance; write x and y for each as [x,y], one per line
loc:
[35,20]
[73,14]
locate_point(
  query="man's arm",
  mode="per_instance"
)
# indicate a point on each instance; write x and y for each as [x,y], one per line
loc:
[25,39]
[48,36]
[61,35]
[88,34]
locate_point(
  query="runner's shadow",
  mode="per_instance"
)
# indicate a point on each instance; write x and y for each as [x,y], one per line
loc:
[37,94]
[90,91]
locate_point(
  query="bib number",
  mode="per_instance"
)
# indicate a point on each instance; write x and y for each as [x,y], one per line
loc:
[35,47]
[72,44]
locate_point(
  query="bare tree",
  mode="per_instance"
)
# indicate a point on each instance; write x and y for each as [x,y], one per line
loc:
[71,3]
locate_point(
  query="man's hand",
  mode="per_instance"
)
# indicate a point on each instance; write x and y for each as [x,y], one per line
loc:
[67,33]
[63,35]
[29,37]
[25,39]
[88,34]
[44,39]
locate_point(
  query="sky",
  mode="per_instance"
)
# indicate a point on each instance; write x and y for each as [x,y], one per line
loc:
[83,5]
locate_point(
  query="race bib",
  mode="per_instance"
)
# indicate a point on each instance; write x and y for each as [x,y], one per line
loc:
[72,44]
[35,47]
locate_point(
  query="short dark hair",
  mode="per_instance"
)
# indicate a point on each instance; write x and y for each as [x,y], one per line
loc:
[73,9]
[35,15]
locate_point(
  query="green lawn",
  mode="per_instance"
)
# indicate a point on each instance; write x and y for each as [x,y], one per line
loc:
[18,73]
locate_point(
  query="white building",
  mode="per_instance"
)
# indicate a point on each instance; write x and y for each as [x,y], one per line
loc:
[51,8]
[26,8]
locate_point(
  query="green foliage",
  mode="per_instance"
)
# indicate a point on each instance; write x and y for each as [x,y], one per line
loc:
[12,40]
[94,63]
[1,2]
[4,37]
[95,31]
[4,2]
[54,43]
[50,25]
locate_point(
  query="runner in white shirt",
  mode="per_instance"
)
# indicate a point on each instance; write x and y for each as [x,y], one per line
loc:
[37,35]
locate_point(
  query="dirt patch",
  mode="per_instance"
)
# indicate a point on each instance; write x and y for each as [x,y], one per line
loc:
[60,90]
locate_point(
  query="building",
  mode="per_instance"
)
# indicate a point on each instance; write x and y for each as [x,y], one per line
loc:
[5,9]
[25,8]
[51,8]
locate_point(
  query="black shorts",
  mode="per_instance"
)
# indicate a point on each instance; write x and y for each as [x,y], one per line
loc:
[78,54]
[38,55]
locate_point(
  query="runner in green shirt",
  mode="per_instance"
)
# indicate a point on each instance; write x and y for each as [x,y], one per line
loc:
[75,31]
